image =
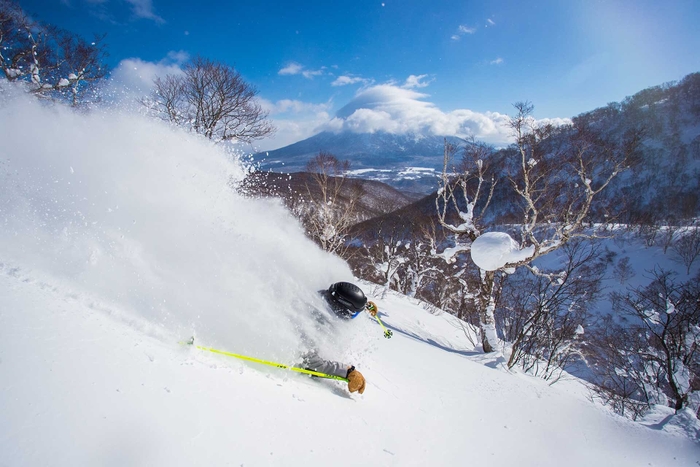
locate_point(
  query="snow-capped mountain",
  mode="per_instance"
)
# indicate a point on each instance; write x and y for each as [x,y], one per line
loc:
[406,161]
[665,178]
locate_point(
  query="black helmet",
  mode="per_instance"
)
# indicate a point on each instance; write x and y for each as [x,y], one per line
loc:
[348,295]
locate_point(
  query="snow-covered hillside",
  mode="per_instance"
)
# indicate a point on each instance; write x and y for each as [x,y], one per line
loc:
[121,237]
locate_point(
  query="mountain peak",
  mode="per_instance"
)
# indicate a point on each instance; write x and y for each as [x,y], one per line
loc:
[405,161]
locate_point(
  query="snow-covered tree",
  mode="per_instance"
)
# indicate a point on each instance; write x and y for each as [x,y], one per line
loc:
[467,192]
[52,62]
[400,258]
[553,183]
[388,254]
[332,197]
[421,266]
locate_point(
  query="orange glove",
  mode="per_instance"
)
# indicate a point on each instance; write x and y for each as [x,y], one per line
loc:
[356,382]
[372,308]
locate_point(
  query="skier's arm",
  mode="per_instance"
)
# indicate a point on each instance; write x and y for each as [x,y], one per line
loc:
[316,363]
[356,382]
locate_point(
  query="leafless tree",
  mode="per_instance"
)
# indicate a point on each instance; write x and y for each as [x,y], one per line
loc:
[554,184]
[648,228]
[464,187]
[623,271]
[465,192]
[388,253]
[544,313]
[212,99]
[53,63]
[403,259]
[669,233]
[421,266]
[557,187]
[687,247]
[169,99]
[332,199]
[622,379]
[652,356]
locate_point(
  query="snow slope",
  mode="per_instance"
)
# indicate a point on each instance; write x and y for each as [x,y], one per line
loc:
[120,237]
[81,388]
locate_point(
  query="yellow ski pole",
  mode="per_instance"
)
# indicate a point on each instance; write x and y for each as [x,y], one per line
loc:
[374,311]
[265,362]
[387,332]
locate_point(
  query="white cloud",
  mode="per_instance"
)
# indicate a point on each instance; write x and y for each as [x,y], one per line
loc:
[461,31]
[345,80]
[491,22]
[291,130]
[178,57]
[415,81]
[293,106]
[385,107]
[291,69]
[394,109]
[294,68]
[144,9]
[498,61]
[311,73]
[294,120]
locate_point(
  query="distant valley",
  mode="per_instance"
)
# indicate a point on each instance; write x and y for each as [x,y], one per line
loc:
[408,162]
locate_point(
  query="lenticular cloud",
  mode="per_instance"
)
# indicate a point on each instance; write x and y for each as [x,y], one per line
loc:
[398,110]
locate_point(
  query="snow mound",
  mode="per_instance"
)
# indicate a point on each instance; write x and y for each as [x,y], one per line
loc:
[493,250]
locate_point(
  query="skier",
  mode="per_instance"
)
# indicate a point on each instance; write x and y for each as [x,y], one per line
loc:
[347,301]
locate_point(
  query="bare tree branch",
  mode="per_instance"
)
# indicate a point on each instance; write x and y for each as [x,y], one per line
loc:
[211,99]
[333,199]
[53,63]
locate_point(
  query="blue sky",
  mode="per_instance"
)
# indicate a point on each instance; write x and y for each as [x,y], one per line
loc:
[440,66]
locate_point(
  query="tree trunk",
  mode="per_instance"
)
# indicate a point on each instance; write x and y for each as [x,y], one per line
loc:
[487,305]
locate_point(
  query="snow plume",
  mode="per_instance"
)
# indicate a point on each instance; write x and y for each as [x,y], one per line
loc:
[133,79]
[140,219]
